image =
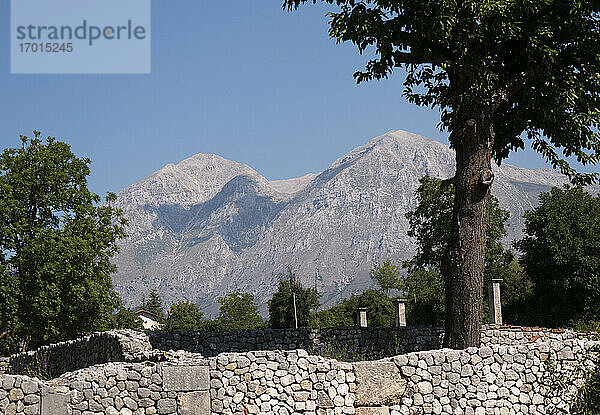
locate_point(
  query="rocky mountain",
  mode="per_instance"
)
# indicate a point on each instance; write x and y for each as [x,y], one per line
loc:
[207,226]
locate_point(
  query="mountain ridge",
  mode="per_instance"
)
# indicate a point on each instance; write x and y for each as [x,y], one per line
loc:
[207,225]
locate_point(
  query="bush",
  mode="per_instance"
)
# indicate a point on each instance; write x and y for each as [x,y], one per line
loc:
[587,401]
[587,325]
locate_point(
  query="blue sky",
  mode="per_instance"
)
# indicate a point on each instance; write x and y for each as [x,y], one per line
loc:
[242,79]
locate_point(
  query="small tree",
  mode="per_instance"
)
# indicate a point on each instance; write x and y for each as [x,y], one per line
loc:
[386,276]
[281,305]
[124,318]
[431,221]
[561,254]
[424,289]
[518,305]
[153,303]
[429,225]
[238,311]
[184,316]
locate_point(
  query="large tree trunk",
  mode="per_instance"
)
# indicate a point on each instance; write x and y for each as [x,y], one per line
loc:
[464,263]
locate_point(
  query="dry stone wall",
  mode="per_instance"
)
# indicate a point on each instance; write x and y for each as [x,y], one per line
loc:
[518,370]
[113,388]
[367,342]
[269,382]
[53,360]
[374,340]
[20,395]
[512,335]
[494,379]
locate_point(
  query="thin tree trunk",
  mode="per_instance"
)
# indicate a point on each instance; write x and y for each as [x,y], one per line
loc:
[465,260]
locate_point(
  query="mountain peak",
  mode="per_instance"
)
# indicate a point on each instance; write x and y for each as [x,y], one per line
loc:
[193,180]
[402,146]
[404,138]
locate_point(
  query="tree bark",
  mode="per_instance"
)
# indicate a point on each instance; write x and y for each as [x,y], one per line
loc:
[465,260]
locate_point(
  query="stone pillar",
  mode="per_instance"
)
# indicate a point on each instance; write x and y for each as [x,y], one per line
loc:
[400,304]
[361,317]
[495,302]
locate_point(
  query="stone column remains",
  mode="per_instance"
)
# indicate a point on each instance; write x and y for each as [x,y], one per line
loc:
[400,304]
[495,302]
[361,317]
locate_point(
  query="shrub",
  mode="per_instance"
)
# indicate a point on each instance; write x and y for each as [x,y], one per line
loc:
[587,401]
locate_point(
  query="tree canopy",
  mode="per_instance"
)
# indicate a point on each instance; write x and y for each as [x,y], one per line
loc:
[501,73]
[424,291]
[238,311]
[380,311]
[561,255]
[533,64]
[153,303]
[386,276]
[281,305]
[56,242]
[184,316]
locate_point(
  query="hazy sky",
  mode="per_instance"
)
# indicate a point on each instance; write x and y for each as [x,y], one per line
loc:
[242,79]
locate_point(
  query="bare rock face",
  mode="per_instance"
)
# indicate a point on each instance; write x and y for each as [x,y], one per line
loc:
[208,226]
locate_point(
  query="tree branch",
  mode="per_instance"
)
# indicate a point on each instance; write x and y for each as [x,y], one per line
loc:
[516,84]
[409,58]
